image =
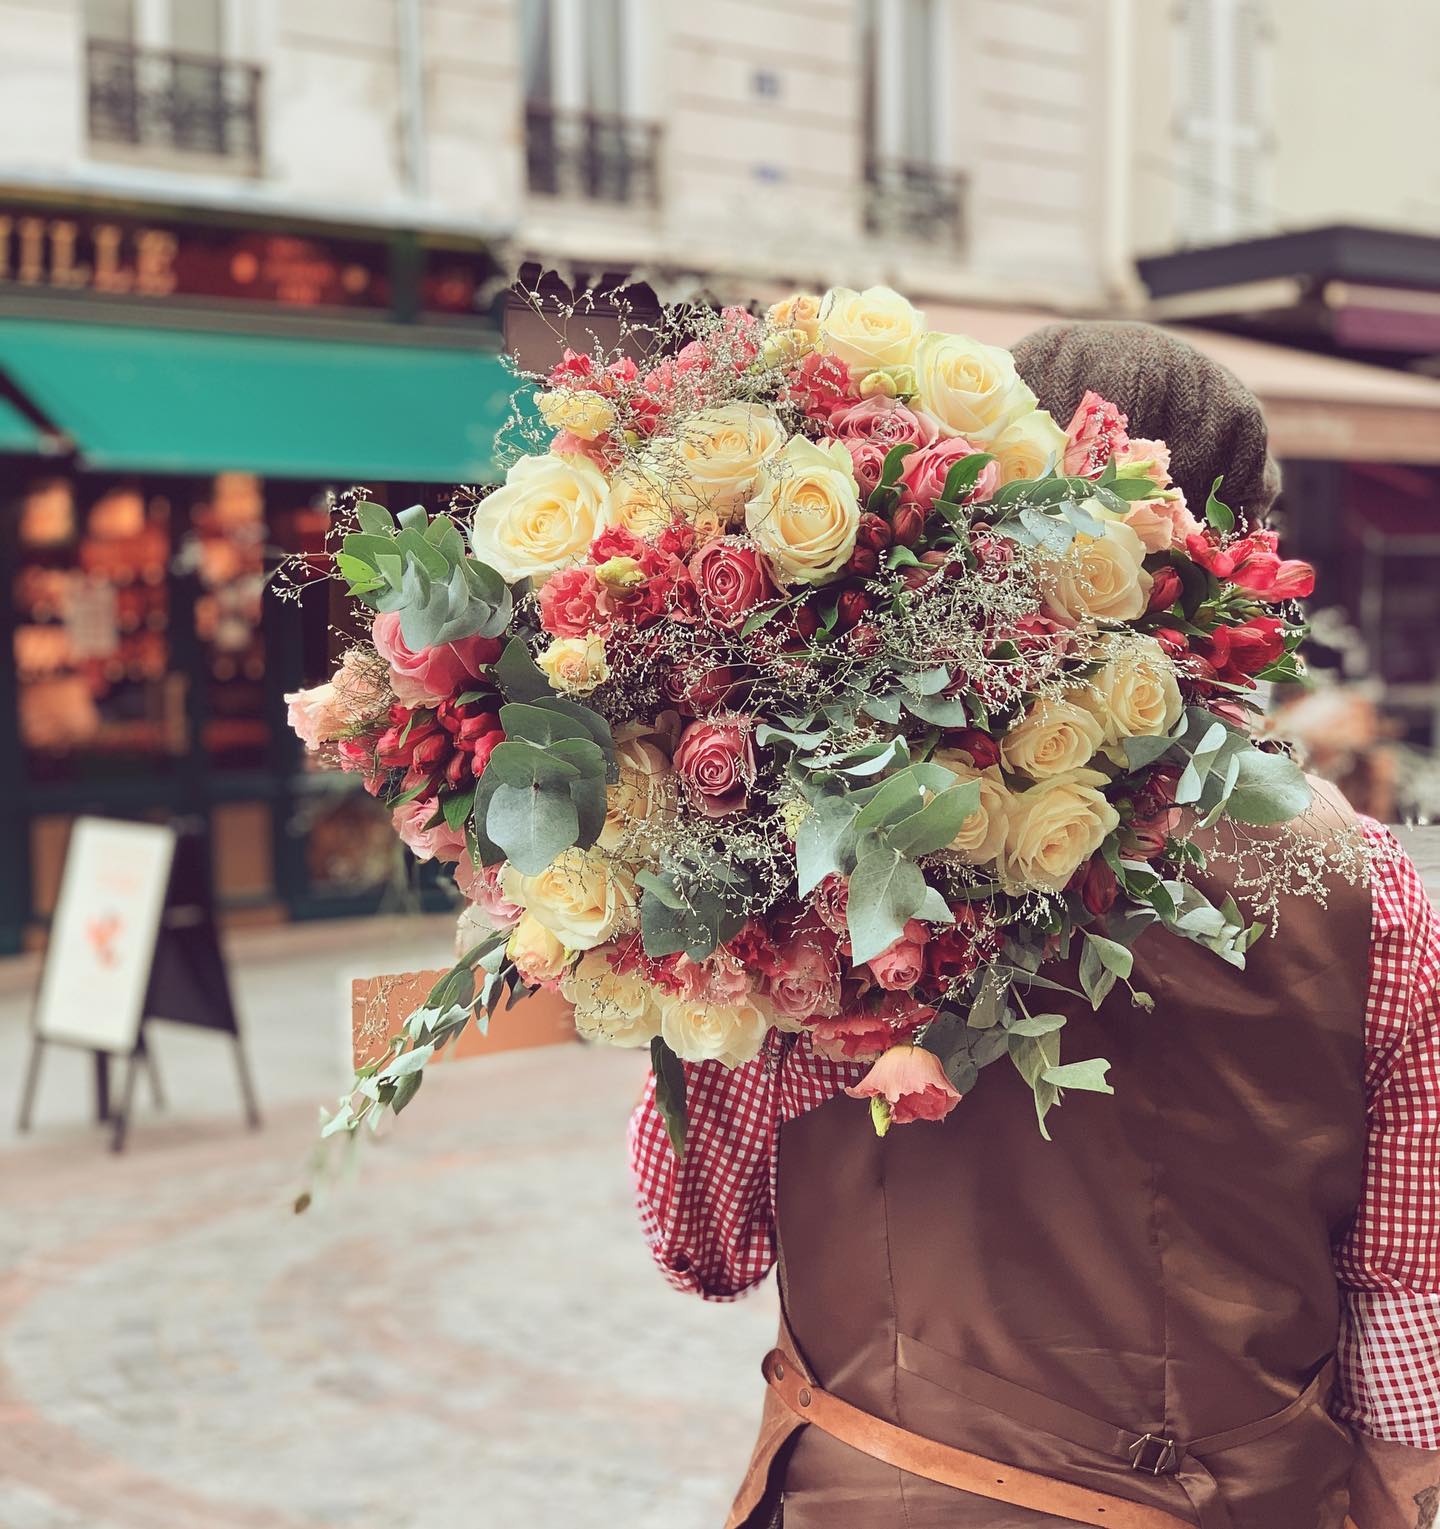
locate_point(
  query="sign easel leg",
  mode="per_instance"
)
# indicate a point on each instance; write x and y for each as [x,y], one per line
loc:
[121,1116]
[247,1084]
[102,1087]
[32,1083]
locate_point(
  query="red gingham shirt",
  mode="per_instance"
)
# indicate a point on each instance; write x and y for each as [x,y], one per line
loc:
[711,1226]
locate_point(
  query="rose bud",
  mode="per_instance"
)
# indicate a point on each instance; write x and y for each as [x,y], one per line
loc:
[981,747]
[485,746]
[907,524]
[1165,589]
[865,639]
[1097,886]
[930,565]
[1176,644]
[907,1083]
[849,608]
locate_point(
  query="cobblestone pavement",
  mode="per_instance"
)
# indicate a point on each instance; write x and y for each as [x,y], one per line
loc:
[465,1333]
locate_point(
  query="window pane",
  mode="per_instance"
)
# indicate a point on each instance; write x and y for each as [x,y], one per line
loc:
[536,36]
[110,20]
[918,130]
[605,57]
[197,26]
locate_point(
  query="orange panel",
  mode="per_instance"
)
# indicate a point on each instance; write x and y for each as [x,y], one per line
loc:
[379,1006]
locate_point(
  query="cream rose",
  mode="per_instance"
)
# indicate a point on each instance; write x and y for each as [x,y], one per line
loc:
[618,1008]
[982,834]
[537,951]
[638,500]
[1052,738]
[717,456]
[542,519]
[800,311]
[971,389]
[582,897]
[1054,828]
[644,793]
[1134,694]
[1031,447]
[806,511]
[1100,577]
[584,414]
[575,665]
[867,330]
[701,1031]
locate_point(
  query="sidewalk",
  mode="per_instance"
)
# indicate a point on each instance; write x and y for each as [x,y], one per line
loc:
[468,1332]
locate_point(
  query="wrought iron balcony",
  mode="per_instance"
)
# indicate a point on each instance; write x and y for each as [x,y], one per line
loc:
[916,201]
[184,103]
[590,156]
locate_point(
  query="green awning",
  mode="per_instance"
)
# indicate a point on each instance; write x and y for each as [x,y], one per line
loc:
[18,436]
[183,401]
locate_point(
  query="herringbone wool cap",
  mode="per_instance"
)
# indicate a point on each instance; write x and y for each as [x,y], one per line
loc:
[1211,421]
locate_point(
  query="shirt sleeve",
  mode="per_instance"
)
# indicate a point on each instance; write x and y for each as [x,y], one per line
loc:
[1389,1262]
[709,1219]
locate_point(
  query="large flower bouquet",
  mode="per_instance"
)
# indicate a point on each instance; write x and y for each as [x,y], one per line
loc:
[807,678]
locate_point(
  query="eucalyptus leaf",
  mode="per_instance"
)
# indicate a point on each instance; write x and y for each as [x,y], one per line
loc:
[886,889]
[1089,1075]
[1269,789]
[531,826]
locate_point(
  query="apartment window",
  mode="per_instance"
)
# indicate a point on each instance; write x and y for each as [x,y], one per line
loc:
[583,135]
[1224,147]
[910,190]
[160,85]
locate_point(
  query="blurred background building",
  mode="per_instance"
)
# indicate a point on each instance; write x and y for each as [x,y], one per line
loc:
[252,252]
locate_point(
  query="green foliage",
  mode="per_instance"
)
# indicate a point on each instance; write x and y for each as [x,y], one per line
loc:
[1217,514]
[691,908]
[421,568]
[670,1093]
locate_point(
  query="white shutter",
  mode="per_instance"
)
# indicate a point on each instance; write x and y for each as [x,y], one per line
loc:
[1198,169]
[1252,143]
[1222,150]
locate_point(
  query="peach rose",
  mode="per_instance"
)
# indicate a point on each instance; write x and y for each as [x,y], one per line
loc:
[315,715]
[906,1084]
[1101,578]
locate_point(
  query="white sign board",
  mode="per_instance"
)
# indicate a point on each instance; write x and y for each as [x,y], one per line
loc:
[102,939]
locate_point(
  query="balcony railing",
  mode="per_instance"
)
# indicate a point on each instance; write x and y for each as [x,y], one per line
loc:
[916,201]
[184,103]
[592,157]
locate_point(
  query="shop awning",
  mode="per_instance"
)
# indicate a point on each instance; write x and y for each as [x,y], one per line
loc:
[183,401]
[1318,408]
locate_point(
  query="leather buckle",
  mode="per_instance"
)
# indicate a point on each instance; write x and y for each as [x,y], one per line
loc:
[1154,1454]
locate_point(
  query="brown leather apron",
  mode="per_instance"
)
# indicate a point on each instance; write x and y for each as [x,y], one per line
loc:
[1144,1308]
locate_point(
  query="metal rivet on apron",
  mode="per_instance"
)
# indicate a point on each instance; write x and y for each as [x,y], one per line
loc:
[804,1397]
[779,1370]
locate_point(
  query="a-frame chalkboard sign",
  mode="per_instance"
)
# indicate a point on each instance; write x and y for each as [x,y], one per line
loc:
[134,938]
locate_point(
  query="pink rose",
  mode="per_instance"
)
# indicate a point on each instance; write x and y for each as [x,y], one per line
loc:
[732,579]
[1155,455]
[883,419]
[480,885]
[720,978]
[912,1084]
[900,966]
[568,603]
[922,478]
[315,715]
[1162,524]
[830,901]
[441,843]
[433,674]
[867,457]
[1096,432]
[853,1038]
[716,760]
[807,983]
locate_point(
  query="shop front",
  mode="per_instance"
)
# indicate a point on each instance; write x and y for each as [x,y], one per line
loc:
[178,403]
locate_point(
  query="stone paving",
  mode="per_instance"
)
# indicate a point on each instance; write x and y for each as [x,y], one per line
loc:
[464,1332]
